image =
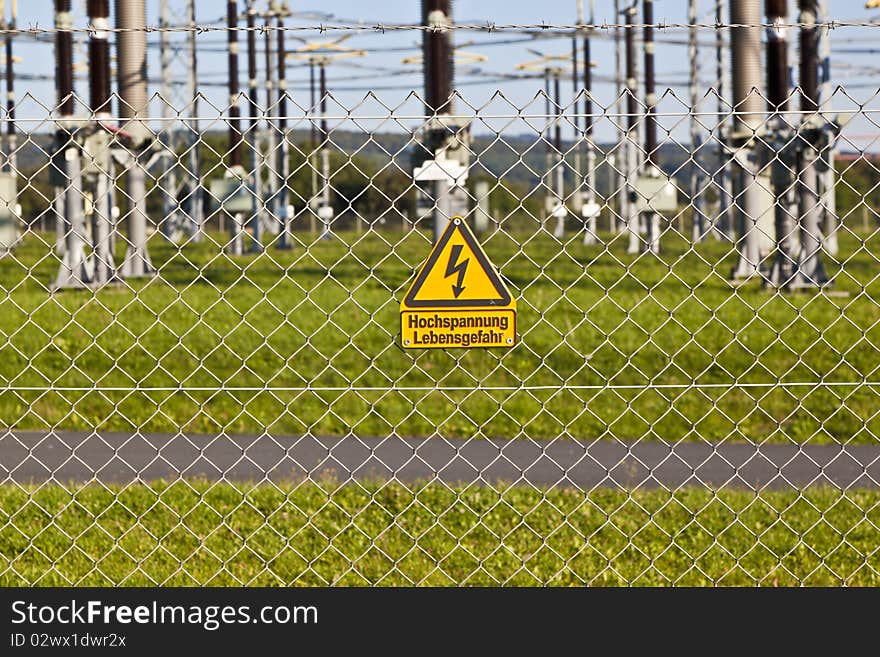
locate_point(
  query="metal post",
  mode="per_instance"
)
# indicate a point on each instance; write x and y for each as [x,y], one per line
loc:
[632,216]
[325,156]
[75,270]
[437,56]
[313,149]
[99,88]
[781,137]
[257,207]
[621,173]
[64,87]
[114,207]
[286,241]
[60,221]
[652,219]
[170,220]
[195,226]
[810,268]
[105,268]
[8,157]
[696,186]
[577,197]
[559,165]
[131,46]
[482,216]
[137,261]
[546,177]
[235,171]
[12,143]
[828,174]
[746,66]
[591,232]
[271,134]
[722,178]
[235,161]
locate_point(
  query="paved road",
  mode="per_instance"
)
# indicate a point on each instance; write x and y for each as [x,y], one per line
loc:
[29,457]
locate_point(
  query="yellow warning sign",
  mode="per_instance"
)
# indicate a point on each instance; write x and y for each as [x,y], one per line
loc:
[457,299]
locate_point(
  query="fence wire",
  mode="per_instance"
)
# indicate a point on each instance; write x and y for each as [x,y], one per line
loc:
[220,396]
[484,26]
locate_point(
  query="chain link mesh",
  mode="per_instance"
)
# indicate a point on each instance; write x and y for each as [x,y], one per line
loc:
[245,414]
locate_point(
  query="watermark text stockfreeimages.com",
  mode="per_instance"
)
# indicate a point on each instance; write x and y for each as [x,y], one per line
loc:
[210,617]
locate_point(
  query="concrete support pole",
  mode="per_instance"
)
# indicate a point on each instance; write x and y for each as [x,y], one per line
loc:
[131,48]
[652,219]
[60,221]
[114,206]
[700,220]
[99,100]
[195,226]
[620,174]
[170,223]
[235,171]
[286,240]
[105,267]
[313,149]
[590,221]
[577,196]
[253,140]
[137,262]
[832,222]
[235,138]
[559,160]
[722,177]
[325,211]
[810,272]
[75,269]
[443,204]
[439,72]
[64,109]
[11,133]
[482,211]
[747,102]
[828,175]
[271,124]
[632,216]
[547,137]
[780,138]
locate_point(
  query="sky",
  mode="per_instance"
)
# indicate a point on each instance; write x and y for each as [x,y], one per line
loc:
[392,82]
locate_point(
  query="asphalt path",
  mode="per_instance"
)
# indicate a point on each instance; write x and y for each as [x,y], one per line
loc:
[65,457]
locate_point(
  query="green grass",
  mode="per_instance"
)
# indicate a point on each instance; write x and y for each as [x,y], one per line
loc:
[388,534]
[317,326]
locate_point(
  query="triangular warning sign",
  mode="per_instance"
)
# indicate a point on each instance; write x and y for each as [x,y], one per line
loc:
[457,300]
[457,274]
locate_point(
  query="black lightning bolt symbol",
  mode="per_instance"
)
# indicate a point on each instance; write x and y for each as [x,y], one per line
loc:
[460,269]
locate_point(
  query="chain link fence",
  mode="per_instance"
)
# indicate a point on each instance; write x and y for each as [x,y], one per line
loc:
[240,410]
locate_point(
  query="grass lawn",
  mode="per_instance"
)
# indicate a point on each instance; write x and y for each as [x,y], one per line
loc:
[320,533]
[304,340]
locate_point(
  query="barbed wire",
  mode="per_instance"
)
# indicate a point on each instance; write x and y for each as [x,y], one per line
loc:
[416,27]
